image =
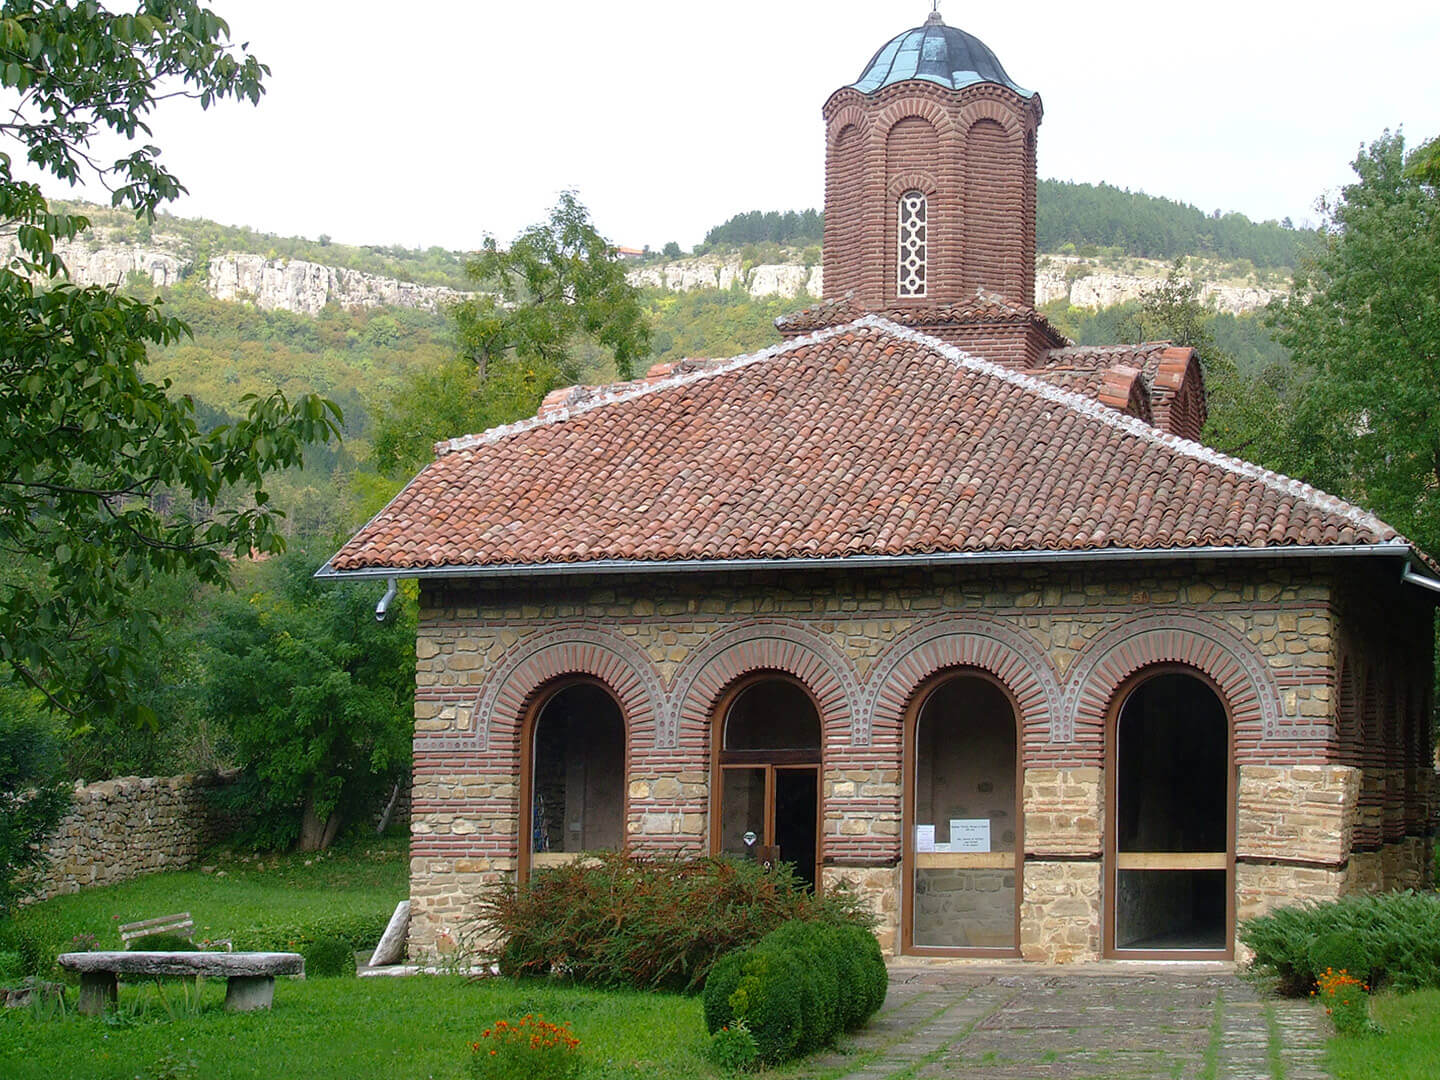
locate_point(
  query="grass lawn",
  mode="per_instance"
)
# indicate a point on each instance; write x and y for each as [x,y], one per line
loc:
[1409,1049]
[368,876]
[397,1028]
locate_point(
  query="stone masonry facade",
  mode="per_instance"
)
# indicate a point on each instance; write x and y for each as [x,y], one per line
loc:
[1328,704]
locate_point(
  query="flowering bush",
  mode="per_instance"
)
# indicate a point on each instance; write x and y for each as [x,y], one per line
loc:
[1346,1000]
[531,1048]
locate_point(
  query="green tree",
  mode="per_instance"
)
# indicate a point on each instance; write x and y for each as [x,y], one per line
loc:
[316,695]
[1247,413]
[92,453]
[1364,325]
[33,791]
[558,305]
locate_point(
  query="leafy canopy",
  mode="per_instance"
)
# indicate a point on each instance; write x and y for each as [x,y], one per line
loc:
[106,479]
[558,305]
[317,697]
[1364,324]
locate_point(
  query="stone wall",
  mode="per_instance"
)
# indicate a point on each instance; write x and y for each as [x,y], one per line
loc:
[1062,642]
[120,829]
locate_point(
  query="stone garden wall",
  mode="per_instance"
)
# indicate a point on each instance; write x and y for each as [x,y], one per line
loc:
[120,829]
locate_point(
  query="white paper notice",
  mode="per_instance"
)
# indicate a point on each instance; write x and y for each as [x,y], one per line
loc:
[924,837]
[970,834]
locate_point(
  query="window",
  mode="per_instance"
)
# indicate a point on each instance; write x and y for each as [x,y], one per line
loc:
[913,244]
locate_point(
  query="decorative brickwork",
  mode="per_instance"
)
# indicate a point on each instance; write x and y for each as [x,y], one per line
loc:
[573,651]
[975,641]
[1211,647]
[1064,812]
[970,151]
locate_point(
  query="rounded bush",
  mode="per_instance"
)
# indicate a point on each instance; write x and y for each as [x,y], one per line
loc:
[327,957]
[768,998]
[820,981]
[715,998]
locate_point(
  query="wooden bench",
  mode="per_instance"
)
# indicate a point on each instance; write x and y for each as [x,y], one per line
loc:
[250,975]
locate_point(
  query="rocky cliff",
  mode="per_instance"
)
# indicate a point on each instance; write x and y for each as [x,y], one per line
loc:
[306,287]
[1083,284]
[271,284]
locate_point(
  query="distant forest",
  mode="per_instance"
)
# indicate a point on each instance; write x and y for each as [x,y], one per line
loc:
[1080,216]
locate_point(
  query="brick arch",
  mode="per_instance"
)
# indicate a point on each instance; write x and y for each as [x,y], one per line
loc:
[537,660]
[852,116]
[913,181]
[997,111]
[971,641]
[770,645]
[1210,647]
[914,108]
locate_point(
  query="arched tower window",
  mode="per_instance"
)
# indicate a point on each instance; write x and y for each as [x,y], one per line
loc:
[913,244]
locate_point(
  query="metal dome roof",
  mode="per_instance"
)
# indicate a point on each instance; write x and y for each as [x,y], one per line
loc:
[935,53]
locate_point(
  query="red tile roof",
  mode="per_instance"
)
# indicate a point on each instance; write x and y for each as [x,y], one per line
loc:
[865,439]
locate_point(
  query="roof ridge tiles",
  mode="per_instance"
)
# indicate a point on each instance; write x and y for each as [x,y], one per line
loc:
[1086,406]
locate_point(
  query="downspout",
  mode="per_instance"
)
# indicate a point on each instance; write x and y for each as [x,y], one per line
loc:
[393,585]
[1409,575]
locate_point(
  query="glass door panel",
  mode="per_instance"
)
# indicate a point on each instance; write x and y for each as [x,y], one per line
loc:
[742,814]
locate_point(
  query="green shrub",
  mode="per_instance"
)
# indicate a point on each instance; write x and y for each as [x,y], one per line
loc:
[327,957]
[37,937]
[11,967]
[732,1048]
[1339,951]
[617,920]
[162,943]
[720,984]
[357,930]
[768,998]
[1396,936]
[798,988]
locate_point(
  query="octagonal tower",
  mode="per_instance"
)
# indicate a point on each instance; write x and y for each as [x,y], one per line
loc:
[930,177]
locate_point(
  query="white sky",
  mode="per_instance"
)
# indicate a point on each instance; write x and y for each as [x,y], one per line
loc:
[435,122]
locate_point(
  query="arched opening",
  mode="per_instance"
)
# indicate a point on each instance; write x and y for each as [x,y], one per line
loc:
[574,775]
[768,775]
[962,818]
[1171,827]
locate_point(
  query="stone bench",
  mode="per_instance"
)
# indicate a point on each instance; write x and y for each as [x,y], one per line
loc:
[250,975]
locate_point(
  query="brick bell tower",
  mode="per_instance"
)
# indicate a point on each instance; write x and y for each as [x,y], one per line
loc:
[930,195]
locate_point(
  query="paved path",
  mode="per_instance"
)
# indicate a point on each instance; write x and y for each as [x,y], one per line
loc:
[996,1023]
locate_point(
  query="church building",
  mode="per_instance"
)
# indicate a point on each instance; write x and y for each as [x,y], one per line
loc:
[924,599]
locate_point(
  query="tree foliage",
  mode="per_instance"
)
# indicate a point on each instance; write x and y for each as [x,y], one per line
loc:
[33,791]
[560,307]
[774,227]
[1364,325]
[316,695]
[91,451]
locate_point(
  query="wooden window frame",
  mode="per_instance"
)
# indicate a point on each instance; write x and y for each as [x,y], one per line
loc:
[770,761]
[908,789]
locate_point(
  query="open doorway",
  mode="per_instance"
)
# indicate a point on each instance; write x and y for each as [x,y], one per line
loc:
[1170,849]
[768,776]
[574,770]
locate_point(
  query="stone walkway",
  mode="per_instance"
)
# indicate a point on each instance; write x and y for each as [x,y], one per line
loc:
[992,1023]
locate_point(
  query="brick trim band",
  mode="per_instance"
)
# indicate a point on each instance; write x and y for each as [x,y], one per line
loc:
[973,641]
[573,650]
[761,646]
[1209,647]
